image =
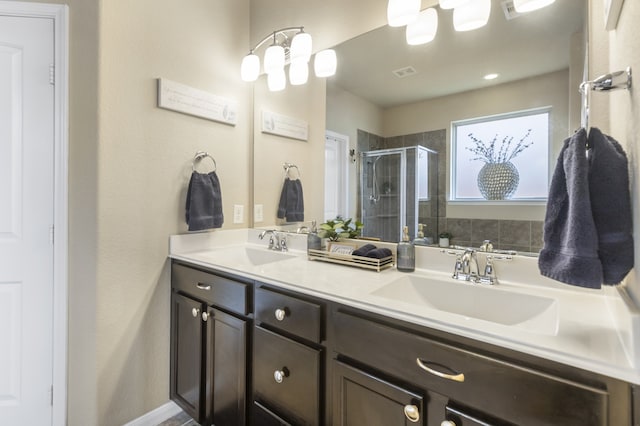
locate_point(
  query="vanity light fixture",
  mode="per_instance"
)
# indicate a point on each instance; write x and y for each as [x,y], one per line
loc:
[423,30]
[523,6]
[402,12]
[472,15]
[290,46]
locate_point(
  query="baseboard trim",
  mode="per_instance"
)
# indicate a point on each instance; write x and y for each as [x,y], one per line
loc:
[157,416]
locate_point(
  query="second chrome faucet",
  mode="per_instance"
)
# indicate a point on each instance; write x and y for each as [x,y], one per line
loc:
[277,241]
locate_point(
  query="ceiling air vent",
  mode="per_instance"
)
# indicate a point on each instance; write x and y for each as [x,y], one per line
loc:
[510,10]
[405,72]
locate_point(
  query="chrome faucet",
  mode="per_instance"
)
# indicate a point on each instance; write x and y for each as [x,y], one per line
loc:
[466,268]
[276,241]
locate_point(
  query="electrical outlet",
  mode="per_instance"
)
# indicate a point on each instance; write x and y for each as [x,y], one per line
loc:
[238,213]
[258,213]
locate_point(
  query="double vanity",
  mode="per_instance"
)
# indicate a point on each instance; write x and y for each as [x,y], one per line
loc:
[265,337]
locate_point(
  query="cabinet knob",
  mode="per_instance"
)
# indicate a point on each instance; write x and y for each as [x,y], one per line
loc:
[279,375]
[195,312]
[205,316]
[447,423]
[280,314]
[412,413]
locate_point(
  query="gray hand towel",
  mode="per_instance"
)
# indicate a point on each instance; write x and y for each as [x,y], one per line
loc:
[204,202]
[570,252]
[291,204]
[611,205]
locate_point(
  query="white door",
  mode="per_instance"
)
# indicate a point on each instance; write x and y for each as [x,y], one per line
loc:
[336,175]
[26,220]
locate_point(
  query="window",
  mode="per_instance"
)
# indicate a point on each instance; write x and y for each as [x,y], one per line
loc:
[520,138]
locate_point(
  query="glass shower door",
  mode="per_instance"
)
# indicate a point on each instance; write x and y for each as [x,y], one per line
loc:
[382,195]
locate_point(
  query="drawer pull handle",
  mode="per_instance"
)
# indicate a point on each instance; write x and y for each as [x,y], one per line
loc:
[447,423]
[205,316]
[205,287]
[280,314]
[455,377]
[411,412]
[195,312]
[279,375]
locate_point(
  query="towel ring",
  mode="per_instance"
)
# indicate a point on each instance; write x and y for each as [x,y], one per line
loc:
[288,166]
[201,155]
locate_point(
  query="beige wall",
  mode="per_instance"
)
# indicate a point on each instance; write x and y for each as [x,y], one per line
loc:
[618,113]
[144,162]
[306,103]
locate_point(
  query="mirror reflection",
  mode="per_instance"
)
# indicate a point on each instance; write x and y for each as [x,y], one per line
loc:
[389,96]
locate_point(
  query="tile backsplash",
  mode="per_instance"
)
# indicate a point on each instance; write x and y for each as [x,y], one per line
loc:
[520,235]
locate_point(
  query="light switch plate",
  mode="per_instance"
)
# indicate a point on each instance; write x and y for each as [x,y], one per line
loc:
[258,213]
[238,213]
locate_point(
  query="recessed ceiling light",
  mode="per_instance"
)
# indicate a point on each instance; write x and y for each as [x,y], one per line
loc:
[491,76]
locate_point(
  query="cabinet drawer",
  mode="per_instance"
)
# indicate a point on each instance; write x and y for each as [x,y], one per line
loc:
[504,390]
[289,314]
[295,395]
[210,288]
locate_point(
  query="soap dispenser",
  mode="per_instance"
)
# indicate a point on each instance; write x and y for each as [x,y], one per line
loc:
[314,241]
[420,240]
[406,254]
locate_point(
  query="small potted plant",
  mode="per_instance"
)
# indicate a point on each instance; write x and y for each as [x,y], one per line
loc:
[339,228]
[444,238]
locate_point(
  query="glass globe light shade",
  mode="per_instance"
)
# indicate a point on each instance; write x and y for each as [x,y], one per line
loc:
[450,4]
[274,59]
[424,29]
[472,15]
[402,12]
[523,6]
[325,63]
[301,47]
[250,68]
[298,73]
[276,80]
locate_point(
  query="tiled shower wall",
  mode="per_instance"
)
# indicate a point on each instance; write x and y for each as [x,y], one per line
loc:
[520,235]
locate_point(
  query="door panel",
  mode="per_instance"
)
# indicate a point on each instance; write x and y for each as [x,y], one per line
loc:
[26,219]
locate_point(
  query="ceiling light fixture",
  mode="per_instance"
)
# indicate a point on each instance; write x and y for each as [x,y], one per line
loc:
[472,15]
[402,12]
[523,6]
[423,30]
[289,46]
[491,76]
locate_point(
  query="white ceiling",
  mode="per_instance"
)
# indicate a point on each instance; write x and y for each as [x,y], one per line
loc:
[531,44]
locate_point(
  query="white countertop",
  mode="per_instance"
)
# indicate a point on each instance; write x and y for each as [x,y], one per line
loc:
[594,328]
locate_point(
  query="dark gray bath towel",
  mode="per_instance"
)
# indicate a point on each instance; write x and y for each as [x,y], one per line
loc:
[570,252]
[611,205]
[204,202]
[291,204]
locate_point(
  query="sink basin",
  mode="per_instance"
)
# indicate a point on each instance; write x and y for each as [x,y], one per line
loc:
[471,301]
[259,257]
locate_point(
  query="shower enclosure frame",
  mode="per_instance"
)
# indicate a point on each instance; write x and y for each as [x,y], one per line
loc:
[403,209]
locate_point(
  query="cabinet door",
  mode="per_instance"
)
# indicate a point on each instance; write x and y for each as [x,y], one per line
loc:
[286,377]
[226,369]
[186,354]
[363,399]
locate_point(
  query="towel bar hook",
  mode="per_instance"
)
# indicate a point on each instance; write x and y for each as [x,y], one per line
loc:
[201,155]
[288,166]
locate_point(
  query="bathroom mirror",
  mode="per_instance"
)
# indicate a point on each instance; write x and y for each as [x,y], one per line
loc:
[539,57]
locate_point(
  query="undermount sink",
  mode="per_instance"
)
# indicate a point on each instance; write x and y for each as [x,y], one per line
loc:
[259,257]
[473,301]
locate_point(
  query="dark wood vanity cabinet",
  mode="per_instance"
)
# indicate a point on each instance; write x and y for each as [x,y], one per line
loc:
[467,383]
[209,340]
[288,358]
[247,353]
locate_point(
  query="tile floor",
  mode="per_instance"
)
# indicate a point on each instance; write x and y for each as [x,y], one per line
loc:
[180,419]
